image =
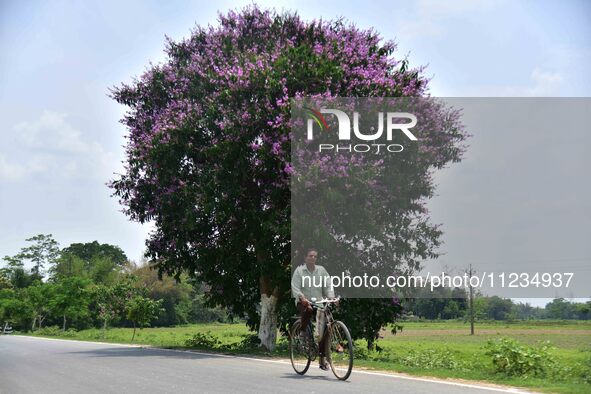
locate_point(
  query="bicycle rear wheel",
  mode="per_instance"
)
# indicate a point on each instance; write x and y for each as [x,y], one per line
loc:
[340,354]
[299,348]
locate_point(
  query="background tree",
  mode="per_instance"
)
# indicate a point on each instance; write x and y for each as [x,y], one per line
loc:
[68,265]
[583,310]
[14,271]
[176,296]
[560,308]
[103,270]
[5,282]
[43,252]
[89,250]
[7,296]
[451,310]
[208,159]
[40,297]
[71,299]
[202,308]
[481,305]
[442,303]
[101,263]
[80,293]
[111,301]
[15,308]
[499,308]
[141,310]
[527,311]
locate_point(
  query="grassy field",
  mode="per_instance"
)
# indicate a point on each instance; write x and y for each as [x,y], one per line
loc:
[439,349]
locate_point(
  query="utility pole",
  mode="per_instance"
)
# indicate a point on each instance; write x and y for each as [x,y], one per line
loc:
[471,301]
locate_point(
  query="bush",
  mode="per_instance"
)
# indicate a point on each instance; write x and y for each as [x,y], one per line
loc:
[203,341]
[207,340]
[515,359]
[55,331]
[49,331]
[249,342]
[360,352]
[586,368]
[71,333]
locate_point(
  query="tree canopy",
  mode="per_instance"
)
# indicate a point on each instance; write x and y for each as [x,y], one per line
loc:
[89,250]
[43,251]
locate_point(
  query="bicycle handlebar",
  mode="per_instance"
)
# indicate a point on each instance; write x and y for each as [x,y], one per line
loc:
[326,301]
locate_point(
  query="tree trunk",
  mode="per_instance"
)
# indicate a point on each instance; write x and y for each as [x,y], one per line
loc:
[104,327]
[64,325]
[133,336]
[268,323]
[268,326]
[33,325]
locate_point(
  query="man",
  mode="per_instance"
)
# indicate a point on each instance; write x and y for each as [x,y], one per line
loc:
[312,281]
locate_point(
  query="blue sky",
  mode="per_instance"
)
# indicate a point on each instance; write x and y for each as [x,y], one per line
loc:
[61,140]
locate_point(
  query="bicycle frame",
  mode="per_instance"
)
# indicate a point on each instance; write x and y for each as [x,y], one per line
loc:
[328,319]
[323,306]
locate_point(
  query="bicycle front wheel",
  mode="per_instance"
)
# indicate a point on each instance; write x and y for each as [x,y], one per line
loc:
[299,348]
[340,354]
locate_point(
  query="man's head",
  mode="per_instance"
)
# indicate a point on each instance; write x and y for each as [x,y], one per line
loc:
[311,256]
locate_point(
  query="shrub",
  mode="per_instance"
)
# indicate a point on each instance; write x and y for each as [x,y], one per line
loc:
[55,331]
[360,352]
[250,342]
[50,331]
[70,333]
[515,359]
[586,368]
[203,341]
[207,340]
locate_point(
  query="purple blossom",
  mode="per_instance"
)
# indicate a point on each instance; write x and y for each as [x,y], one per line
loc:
[276,147]
[288,169]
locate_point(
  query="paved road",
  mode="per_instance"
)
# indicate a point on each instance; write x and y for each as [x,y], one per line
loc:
[36,365]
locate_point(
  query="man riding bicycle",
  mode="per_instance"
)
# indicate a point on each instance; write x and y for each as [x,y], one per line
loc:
[312,281]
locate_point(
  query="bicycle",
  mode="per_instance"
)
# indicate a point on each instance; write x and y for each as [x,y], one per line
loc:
[303,349]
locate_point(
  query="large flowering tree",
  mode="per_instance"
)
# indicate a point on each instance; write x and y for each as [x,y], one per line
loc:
[208,153]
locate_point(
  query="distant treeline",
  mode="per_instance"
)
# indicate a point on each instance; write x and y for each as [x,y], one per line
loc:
[453,304]
[94,285]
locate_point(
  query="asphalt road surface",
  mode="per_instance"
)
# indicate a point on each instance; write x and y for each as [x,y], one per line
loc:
[37,365]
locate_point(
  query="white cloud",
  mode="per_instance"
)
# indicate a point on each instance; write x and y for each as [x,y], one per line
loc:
[51,145]
[11,171]
[14,170]
[53,133]
[431,16]
[546,83]
[543,84]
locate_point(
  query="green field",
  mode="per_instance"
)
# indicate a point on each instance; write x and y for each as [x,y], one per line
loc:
[439,349]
